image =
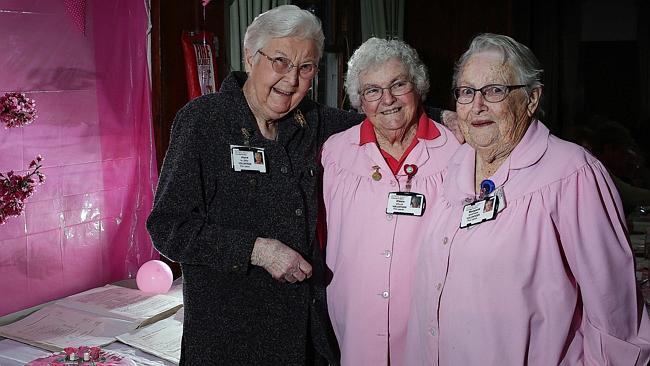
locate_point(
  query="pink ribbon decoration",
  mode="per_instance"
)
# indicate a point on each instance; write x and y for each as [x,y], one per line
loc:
[76,9]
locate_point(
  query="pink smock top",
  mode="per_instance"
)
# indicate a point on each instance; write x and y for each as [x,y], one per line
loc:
[550,281]
[372,254]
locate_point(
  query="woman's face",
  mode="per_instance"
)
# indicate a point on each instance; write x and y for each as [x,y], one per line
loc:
[389,113]
[272,95]
[494,129]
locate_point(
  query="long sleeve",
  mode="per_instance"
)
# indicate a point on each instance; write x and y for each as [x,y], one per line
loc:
[181,224]
[591,228]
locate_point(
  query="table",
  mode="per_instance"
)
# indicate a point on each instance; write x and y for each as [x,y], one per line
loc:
[14,353]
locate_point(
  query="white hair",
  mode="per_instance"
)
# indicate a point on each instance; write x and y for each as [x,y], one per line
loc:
[283,21]
[521,59]
[376,52]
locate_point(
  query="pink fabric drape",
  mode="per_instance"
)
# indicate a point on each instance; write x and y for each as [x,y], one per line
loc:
[85,226]
[76,9]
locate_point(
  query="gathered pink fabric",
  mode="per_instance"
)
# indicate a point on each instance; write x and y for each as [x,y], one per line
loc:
[85,226]
[76,9]
[550,281]
[371,254]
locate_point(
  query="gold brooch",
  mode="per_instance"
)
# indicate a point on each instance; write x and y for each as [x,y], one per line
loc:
[376,175]
[300,118]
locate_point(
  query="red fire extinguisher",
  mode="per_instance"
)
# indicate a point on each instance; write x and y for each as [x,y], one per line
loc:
[200,63]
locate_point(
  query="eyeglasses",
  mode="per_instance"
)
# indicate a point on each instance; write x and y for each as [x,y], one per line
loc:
[374,93]
[283,65]
[492,93]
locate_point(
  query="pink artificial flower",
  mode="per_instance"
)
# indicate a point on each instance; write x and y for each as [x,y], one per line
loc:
[16,110]
[15,189]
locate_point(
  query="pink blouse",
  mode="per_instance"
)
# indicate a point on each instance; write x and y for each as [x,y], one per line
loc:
[550,281]
[372,254]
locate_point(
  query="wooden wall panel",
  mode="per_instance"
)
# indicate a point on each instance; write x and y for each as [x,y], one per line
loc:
[169,19]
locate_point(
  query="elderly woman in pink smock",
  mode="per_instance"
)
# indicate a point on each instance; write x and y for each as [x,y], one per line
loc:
[546,275]
[379,178]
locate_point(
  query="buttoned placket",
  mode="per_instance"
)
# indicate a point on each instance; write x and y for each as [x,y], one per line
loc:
[444,245]
[384,293]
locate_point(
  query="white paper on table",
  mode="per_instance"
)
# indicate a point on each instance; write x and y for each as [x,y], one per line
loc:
[55,327]
[162,339]
[14,353]
[177,289]
[125,303]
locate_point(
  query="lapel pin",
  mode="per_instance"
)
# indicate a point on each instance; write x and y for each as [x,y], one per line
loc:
[300,118]
[376,175]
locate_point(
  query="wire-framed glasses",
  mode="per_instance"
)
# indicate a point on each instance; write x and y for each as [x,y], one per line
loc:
[492,93]
[283,65]
[374,93]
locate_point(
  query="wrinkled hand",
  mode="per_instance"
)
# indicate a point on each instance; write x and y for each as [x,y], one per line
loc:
[282,262]
[450,120]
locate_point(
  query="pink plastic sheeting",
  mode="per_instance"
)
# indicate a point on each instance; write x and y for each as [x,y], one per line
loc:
[86,225]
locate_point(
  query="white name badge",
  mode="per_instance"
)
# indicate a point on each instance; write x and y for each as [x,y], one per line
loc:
[406,203]
[479,211]
[247,159]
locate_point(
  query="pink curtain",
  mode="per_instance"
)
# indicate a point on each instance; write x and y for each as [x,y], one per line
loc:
[85,226]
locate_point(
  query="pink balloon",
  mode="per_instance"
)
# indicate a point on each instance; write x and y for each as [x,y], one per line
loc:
[154,276]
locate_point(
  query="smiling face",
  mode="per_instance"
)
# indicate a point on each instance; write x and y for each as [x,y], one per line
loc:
[390,114]
[272,95]
[494,129]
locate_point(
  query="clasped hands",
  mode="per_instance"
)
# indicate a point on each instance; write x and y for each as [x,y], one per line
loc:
[282,262]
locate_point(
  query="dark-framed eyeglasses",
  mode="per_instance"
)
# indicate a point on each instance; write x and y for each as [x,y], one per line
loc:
[283,65]
[374,93]
[493,93]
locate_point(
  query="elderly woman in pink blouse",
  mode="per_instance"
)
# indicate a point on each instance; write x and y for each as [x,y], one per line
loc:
[379,178]
[543,277]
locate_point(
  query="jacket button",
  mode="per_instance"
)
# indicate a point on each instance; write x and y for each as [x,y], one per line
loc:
[284,170]
[299,212]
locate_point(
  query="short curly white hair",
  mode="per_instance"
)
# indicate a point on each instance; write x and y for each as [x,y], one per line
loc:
[375,52]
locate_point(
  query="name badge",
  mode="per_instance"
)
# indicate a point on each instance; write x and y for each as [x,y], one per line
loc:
[406,203]
[247,159]
[480,211]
